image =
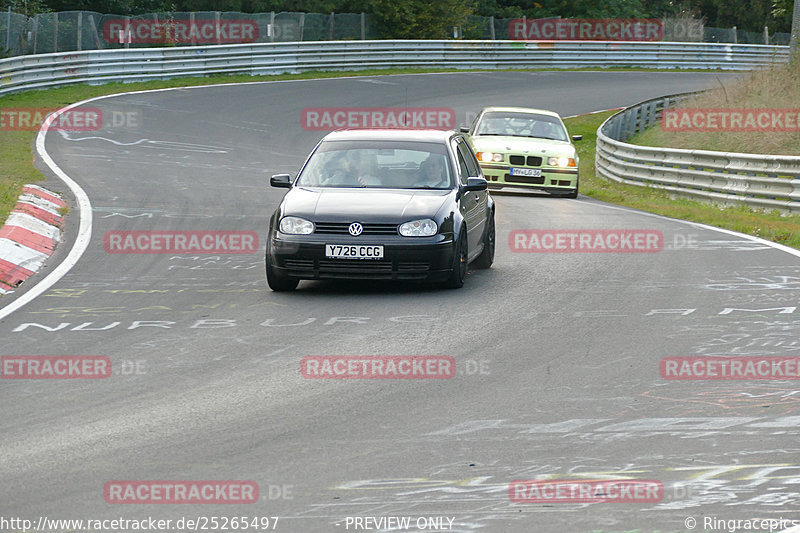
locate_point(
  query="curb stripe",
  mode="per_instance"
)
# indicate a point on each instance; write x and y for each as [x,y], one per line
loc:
[44,194]
[38,201]
[38,212]
[24,220]
[12,275]
[28,238]
[19,254]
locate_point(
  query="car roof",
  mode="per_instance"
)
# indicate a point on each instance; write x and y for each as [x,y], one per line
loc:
[521,110]
[390,134]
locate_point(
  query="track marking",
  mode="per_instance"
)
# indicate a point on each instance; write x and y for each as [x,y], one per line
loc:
[775,245]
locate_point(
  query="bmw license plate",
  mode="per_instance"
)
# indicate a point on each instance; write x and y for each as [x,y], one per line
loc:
[353,251]
[530,172]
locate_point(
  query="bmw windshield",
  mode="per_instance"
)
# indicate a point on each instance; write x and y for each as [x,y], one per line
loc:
[512,124]
[382,165]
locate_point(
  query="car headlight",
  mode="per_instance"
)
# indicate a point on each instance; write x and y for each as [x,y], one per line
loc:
[561,161]
[296,226]
[485,157]
[419,228]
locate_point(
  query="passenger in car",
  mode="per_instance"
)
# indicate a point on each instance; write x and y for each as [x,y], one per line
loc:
[433,172]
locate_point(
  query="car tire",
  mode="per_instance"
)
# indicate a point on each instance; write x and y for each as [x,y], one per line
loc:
[486,258]
[456,279]
[278,282]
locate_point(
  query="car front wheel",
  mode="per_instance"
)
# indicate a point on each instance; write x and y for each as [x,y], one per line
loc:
[486,258]
[456,280]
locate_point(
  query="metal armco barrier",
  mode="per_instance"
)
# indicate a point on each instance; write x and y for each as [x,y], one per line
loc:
[757,180]
[131,65]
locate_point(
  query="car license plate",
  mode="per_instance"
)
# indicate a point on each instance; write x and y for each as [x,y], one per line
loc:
[530,172]
[353,251]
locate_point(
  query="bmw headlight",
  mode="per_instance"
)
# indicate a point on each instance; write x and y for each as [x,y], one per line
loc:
[561,161]
[296,226]
[419,228]
[486,157]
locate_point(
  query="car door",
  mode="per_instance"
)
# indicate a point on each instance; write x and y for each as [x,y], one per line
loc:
[473,203]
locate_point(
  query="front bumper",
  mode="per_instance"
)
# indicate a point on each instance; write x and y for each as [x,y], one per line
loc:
[404,258]
[556,180]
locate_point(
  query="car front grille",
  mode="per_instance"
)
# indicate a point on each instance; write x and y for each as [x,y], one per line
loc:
[341,228]
[299,264]
[531,160]
[524,179]
[355,268]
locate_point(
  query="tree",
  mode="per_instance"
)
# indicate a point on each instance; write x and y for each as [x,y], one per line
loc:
[420,19]
[28,8]
[747,15]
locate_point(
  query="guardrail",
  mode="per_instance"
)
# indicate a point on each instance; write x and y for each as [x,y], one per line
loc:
[130,65]
[757,180]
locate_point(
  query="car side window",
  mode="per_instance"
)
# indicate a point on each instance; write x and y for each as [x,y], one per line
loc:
[469,159]
[463,169]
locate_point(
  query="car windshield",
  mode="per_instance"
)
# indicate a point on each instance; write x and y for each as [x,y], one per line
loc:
[521,125]
[382,165]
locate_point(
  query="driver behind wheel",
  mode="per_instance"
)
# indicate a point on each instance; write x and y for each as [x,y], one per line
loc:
[352,168]
[433,173]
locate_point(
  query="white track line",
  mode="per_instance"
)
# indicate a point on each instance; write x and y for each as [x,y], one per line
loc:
[85,206]
[84,229]
[775,245]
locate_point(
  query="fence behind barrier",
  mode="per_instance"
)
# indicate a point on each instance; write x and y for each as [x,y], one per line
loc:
[75,31]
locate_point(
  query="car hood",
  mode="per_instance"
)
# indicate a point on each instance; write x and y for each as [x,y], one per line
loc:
[364,205]
[523,145]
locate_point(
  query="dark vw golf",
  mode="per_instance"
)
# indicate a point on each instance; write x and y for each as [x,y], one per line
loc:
[382,204]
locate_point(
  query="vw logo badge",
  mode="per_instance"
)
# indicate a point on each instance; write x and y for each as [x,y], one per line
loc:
[355,229]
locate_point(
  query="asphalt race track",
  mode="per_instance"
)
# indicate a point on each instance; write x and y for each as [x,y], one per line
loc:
[557,354]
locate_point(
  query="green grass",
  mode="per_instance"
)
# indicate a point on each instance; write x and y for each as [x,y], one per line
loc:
[16,159]
[772,226]
[16,168]
[774,88]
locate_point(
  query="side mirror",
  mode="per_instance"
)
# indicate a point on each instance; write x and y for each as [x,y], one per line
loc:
[476,184]
[281,180]
[464,129]
[577,137]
